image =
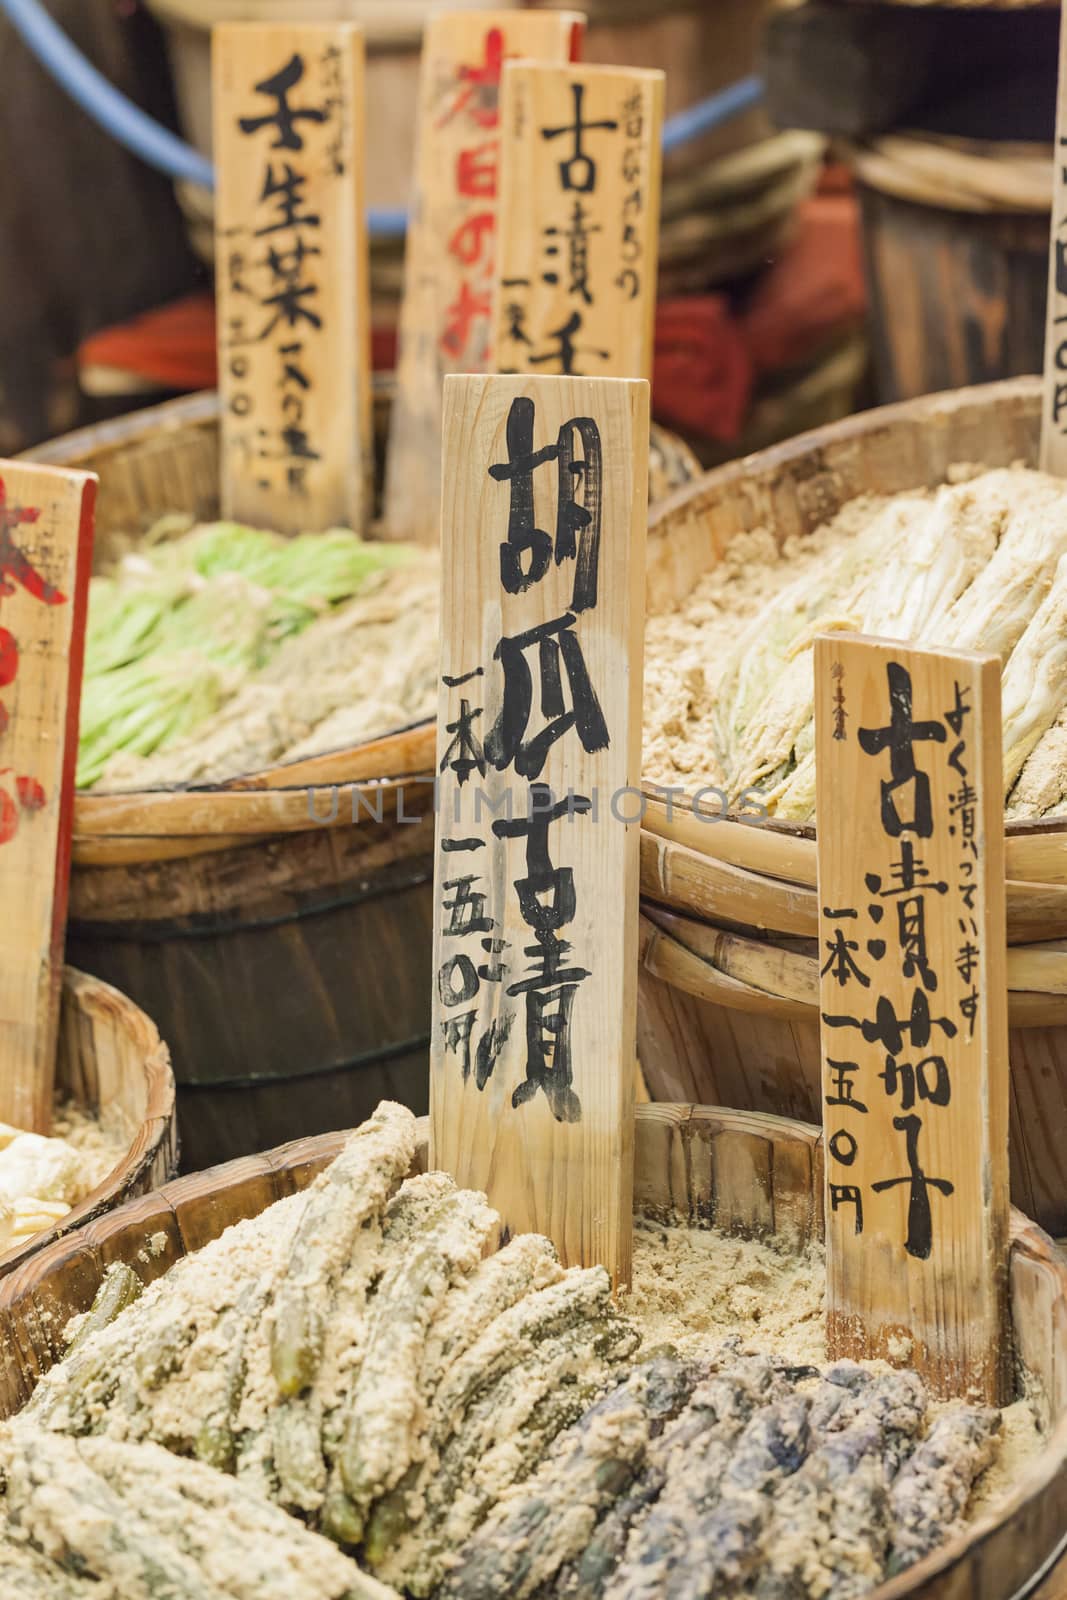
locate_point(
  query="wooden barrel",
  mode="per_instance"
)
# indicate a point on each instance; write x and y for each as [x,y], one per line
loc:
[292,976]
[109,1056]
[701,49]
[748,1175]
[735,1017]
[956,280]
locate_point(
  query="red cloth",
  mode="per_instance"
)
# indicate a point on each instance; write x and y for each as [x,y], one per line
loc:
[701,371]
[174,346]
[815,288]
[707,357]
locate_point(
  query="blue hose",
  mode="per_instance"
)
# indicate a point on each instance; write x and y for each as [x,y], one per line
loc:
[711,113]
[106,105]
[154,144]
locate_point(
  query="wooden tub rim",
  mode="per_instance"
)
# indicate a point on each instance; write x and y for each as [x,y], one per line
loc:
[780,457]
[290,1167]
[88,994]
[668,949]
[250,805]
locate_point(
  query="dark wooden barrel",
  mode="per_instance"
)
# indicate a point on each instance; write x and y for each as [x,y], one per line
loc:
[957,294]
[292,977]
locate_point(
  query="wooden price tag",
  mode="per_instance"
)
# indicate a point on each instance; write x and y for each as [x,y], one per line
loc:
[448,272]
[579,220]
[913,1002]
[539,744]
[292,276]
[46,538]
[1054,409]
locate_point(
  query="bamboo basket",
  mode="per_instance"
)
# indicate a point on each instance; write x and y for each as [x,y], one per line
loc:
[757,1176]
[763,875]
[166,458]
[727,1008]
[109,1055]
[287,963]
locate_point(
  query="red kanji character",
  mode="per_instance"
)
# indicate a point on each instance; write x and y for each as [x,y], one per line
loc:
[463,315]
[31,797]
[31,794]
[14,567]
[476,171]
[9,818]
[9,658]
[481,86]
[466,242]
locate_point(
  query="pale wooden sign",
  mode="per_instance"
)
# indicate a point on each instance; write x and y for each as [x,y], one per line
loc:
[539,744]
[579,220]
[1054,409]
[292,276]
[46,537]
[913,1004]
[445,319]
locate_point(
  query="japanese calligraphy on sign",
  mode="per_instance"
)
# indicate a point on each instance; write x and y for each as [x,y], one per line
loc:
[579,220]
[445,323]
[46,532]
[913,1005]
[1054,411]
[292,279]
[534,1018]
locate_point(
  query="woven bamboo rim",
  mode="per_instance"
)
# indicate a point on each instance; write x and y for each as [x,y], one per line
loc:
[109,1052]
[771,977]
[958,174]
[676,875]
[749,1174]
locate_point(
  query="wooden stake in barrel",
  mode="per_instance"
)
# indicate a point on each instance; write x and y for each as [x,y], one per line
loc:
[1054,413]
[913,1001]
[452,236]
[579,220]
[46,536]
[539,742]
[292,276]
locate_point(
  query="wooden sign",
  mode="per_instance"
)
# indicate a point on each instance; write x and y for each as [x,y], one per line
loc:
[46,537]
[913,1004]
[292,276]
[579,220]
[451,245]
[1054,409]
[539,742]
